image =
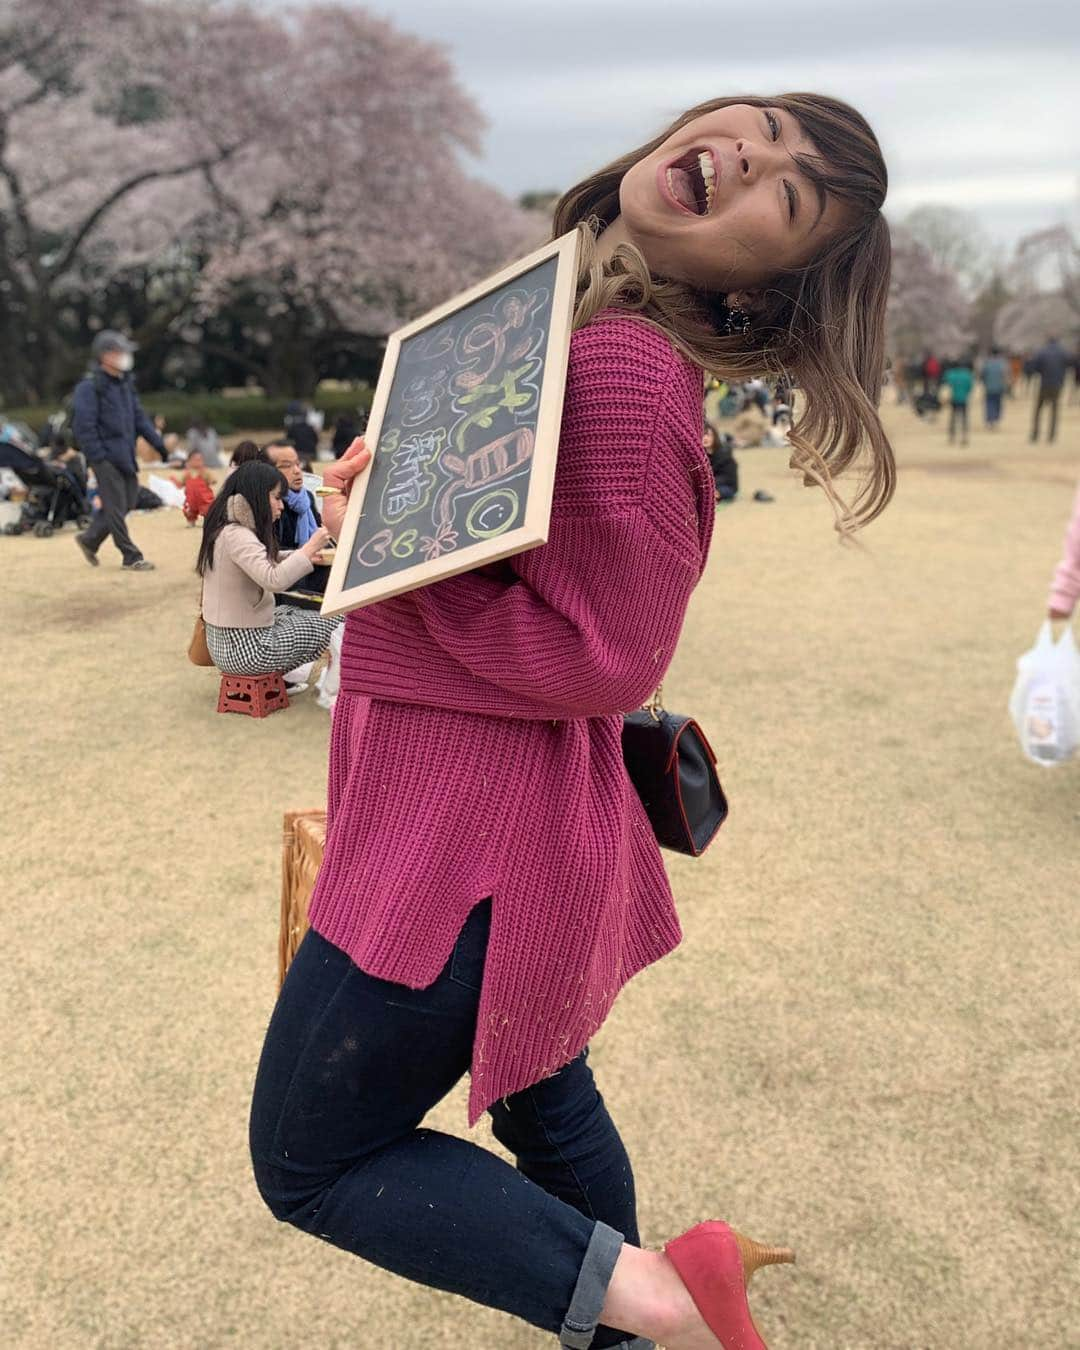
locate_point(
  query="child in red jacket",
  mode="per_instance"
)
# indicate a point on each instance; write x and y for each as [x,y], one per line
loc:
[198,487]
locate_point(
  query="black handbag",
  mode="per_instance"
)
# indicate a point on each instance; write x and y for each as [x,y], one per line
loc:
[673,769]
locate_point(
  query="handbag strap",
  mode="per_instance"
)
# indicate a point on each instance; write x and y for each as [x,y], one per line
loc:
[655,705]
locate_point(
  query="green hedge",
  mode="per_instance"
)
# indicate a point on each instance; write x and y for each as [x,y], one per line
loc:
[225,415]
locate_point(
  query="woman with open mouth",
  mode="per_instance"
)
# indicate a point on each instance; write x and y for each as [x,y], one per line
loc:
[491,880]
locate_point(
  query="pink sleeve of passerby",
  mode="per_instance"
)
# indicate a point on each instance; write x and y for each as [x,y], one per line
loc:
[1065,588]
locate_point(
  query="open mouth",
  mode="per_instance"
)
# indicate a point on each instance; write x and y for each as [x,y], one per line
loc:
[691,180]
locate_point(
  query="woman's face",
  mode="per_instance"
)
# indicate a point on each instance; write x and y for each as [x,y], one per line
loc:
[722,205]
[276,504]
[708,440]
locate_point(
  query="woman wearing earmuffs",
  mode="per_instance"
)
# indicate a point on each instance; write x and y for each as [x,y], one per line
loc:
[242,568]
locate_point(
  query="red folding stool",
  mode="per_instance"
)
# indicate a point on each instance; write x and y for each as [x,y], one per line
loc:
[253,695]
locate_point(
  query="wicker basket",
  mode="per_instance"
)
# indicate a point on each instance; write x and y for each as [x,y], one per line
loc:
[302,844]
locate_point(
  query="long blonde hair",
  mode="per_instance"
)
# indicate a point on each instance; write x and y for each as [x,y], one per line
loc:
[822,325]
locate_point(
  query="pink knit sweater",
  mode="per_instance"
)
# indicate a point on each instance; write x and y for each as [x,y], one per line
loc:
[1065,587]
[476,745]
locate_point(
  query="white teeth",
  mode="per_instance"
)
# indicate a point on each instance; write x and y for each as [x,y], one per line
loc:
[708,175]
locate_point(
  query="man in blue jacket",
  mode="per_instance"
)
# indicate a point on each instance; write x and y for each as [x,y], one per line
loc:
[1050,363]
[107,417]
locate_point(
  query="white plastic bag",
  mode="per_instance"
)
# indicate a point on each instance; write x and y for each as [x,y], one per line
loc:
[1045,701]
[330,679]
[166,489]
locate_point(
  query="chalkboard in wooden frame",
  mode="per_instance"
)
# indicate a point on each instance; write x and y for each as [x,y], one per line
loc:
[464,430]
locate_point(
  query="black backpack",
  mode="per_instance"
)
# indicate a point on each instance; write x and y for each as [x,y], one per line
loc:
[63,422]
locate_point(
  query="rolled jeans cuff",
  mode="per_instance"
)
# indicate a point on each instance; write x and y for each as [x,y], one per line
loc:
[586,1304]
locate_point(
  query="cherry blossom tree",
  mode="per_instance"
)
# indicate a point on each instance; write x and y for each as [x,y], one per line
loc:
[1045,279]
[357,211]
[956,243]
[928,310]
[310,159]
[104,154]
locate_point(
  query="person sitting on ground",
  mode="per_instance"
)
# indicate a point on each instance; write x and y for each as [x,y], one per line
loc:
[70,461]
[298,521]
[244,453]
[721,452]
[201,436]
[147,453]
[198,488]
[750,426]
[243,567]
[720,447]
[755,392]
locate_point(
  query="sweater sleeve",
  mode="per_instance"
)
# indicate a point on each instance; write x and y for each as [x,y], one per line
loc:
[1065,588]
[589,621]
[251,557]
[587,628]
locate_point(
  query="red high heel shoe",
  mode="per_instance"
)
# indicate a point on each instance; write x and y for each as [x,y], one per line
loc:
[716,1263]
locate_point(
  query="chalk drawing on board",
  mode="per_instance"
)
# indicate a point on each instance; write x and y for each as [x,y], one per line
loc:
[408,483]
[493,514]
[464,425]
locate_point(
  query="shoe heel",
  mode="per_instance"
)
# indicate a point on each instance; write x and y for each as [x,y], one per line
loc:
[756,1254]
[715,1264]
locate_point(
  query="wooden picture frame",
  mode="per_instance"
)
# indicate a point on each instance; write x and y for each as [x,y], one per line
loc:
[464,429]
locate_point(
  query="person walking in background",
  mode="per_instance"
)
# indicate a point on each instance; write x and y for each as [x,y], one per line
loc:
[931,371]
[346,431]
[1050,364]
[106,419]
[959,378]
[995,380]
[1065,587]
[301,434]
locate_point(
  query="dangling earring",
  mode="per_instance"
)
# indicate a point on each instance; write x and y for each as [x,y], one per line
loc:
[734,322]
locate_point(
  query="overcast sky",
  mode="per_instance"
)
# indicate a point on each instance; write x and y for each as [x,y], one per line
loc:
[976,102]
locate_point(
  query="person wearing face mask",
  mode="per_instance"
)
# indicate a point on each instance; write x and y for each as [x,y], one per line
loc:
[107,419]
[491,879]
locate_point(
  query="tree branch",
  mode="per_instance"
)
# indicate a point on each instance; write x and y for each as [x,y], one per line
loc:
[22,215]
[71,253]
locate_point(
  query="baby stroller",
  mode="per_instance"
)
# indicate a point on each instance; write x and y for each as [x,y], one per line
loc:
[56,492]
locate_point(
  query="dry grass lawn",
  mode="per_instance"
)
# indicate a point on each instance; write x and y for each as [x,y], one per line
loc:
[865,1046]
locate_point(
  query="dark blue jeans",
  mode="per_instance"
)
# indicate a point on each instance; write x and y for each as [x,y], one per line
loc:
[349,1068]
